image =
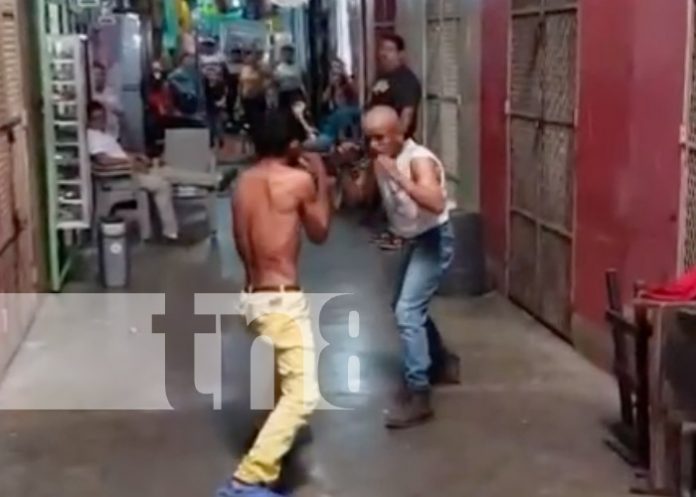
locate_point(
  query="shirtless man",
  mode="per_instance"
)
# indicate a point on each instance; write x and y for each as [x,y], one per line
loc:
[283,193]
[410,180]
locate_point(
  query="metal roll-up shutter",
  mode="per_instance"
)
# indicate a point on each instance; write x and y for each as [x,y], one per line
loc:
[7,198]
[17,244]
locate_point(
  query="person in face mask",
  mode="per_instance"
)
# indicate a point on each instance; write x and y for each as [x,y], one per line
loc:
[158,103]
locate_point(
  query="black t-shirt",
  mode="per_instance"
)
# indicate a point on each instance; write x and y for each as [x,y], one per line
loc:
[398,89]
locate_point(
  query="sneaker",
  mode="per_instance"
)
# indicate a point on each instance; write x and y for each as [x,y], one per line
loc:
[411,409]
[236,489]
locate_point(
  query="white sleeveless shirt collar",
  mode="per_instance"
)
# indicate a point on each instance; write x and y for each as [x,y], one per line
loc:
[406,218]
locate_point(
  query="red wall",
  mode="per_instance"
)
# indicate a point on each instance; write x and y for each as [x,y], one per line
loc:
[658,99]
[631,98]
[631,80]
[603,149]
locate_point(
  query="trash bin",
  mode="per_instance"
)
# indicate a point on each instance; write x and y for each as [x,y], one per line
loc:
[114,254]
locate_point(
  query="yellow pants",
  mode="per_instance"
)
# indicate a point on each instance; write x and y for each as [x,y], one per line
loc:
[284,319]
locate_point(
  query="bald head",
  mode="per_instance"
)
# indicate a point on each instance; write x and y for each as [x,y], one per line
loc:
[382,117]
[383,129]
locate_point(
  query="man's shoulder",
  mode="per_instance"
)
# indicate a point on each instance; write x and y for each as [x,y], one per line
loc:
[406,73]
[280,172]
[416,151]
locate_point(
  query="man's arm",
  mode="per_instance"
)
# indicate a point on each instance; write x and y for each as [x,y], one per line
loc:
[407,118]
[316,204]
[424,188]
[103,159]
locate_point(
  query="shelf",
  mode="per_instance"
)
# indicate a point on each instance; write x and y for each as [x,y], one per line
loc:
[64,60]
[72,225]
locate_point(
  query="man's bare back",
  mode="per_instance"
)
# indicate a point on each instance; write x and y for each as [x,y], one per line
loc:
[271,203]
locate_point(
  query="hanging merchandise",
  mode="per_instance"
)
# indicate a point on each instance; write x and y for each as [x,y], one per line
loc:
[290,3]
[170,33]
[184,16]
[208,8]
[244,33]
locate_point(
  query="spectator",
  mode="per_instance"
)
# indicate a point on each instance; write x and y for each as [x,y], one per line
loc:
[253,86]
[108,155]
[341,103]
[396,85]
[233,69]
[186,87]
[158,107]
[288,78]
[215,101]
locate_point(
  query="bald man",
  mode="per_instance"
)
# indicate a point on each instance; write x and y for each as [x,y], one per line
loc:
[411,182]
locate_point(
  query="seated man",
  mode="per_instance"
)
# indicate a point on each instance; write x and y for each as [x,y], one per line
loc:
[108,155]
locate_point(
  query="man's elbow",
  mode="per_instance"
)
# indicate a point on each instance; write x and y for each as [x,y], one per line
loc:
[319,236]
[438,207]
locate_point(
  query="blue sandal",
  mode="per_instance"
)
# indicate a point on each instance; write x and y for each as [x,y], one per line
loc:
[235,489]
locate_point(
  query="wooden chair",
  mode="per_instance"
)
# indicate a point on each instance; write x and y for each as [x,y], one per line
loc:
[631,340]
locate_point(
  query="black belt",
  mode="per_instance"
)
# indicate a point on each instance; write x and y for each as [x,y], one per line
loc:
[273,289]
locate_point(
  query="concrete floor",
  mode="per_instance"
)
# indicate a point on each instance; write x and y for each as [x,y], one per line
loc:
[529,419]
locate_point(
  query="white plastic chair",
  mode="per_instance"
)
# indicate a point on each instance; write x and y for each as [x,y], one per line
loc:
[113,188]
[191,167]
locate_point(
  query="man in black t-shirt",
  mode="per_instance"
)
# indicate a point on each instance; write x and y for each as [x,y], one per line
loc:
[396,85]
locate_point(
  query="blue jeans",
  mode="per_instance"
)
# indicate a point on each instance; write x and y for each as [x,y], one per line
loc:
[331,128]
[426,260]
[340,119]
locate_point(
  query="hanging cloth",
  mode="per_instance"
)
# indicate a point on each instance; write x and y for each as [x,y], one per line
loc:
[681,290]
[170,34]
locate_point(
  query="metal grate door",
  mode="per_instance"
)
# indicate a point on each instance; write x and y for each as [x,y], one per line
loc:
[542,108]
[442,133]
[687,235]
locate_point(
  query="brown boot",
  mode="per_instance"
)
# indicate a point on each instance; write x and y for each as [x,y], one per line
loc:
[409,409]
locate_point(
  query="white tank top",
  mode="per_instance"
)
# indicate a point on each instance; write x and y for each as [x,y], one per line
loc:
[406,218]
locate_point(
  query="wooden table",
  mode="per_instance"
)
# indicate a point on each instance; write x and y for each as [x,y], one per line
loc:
[655,315]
